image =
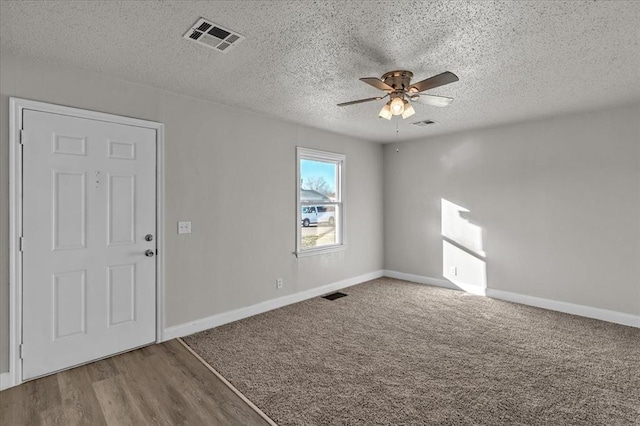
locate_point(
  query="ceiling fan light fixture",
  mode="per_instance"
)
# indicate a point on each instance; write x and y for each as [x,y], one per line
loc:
[397,106]
[408,110]
[401,93]
[385,112]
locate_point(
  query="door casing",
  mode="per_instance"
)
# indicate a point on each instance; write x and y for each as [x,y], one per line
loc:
[16,108]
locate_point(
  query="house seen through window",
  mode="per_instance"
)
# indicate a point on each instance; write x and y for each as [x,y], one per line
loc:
[320,200]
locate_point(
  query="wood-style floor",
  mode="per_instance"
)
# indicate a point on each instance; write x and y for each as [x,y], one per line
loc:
[160,384]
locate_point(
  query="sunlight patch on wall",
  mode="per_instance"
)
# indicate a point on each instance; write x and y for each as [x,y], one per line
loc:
[464,269]
[458,229]
[462,250]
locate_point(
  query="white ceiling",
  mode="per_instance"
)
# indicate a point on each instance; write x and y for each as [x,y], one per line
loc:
[516,60]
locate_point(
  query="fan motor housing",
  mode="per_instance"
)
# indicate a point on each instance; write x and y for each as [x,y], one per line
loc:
[399,80]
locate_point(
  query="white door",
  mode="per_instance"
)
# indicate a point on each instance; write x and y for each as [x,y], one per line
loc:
[89,201]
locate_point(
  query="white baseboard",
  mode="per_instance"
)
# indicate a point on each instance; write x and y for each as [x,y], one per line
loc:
[6,380]
[568,308]
[269,305]
[438,282]
[539,302]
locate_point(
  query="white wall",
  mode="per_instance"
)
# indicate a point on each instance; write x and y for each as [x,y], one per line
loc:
[558,202]
[232,173]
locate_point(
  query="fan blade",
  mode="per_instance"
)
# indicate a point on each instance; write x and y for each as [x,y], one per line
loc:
[377,83]
[360,101]
[435,81]
[433,100]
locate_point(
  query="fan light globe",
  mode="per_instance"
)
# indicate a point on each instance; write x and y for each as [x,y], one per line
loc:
[397,106]
[385,112]
[408,110]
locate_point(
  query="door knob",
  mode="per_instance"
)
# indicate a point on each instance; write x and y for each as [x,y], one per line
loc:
[148,237]
[149,253]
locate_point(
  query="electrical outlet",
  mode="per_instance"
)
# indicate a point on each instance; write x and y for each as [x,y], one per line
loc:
[184,227]
[453,271]
[279,283]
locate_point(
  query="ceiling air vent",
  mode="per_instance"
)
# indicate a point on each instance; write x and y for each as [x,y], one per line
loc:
[423,123]
[213,35]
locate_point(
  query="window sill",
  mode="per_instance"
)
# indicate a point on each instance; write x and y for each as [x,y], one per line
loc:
[322,250]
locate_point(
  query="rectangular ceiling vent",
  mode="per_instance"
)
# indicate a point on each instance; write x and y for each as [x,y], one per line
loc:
[423,123]
[213,35]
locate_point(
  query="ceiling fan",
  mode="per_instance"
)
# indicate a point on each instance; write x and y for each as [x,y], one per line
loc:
[398,86]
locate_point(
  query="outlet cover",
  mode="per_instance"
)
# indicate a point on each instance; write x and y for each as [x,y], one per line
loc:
[279,283]
[184,227]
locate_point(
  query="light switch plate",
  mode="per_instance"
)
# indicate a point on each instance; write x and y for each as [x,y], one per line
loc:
[184,227]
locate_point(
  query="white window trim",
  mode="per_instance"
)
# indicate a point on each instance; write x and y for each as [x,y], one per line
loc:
[314,154]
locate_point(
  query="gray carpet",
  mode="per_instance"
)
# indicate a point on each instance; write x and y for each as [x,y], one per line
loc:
[396,353]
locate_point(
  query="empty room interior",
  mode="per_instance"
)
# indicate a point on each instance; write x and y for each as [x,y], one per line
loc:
[319,213]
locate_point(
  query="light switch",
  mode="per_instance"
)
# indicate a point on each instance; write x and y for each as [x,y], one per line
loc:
[184,227]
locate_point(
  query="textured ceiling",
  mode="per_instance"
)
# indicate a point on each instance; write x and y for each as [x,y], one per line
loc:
[516,60]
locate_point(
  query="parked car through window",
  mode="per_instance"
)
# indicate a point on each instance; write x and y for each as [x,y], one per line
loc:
[317,215]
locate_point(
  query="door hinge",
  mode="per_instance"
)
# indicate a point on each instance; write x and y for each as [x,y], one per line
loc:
[21,136]
[21,350]
[21,244]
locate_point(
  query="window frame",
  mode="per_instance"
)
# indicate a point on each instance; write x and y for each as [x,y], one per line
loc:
[340,160]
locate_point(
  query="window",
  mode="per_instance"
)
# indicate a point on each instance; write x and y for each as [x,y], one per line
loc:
[320,204]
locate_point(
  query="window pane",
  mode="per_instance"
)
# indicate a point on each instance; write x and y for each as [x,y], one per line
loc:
[318,180]
[319,226]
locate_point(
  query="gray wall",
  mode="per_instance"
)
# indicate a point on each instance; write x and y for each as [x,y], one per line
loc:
[232,173]
[558,201]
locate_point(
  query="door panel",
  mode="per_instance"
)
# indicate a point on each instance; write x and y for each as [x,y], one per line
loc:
[89,190]
[122,294]
[69,210]
[122,150]
[72,145]
[69,308]
[121,211]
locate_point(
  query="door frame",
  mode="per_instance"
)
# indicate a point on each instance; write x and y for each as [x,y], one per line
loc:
[16,108]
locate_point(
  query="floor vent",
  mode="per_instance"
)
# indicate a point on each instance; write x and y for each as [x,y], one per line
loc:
[423,123]
[334,296]
[213,35]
